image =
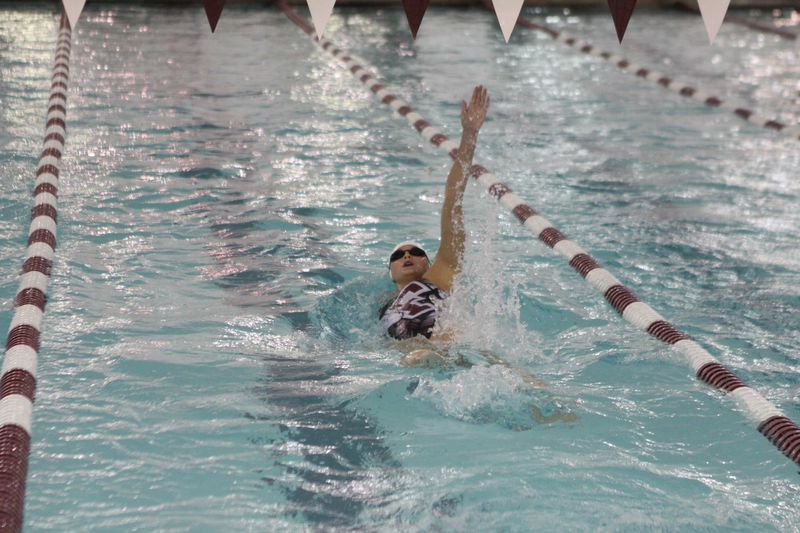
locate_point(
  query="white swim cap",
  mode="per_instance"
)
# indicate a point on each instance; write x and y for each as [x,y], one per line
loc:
[410,243]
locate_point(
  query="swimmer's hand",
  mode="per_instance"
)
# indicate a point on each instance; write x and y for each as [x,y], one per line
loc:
[422,358]
[558,416]
[474,113]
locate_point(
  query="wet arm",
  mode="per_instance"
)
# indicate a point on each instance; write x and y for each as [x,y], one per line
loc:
[451,251]
[452,222]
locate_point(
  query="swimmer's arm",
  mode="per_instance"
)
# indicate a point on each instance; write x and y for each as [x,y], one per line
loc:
[448,259]
[423,358]
[420,352]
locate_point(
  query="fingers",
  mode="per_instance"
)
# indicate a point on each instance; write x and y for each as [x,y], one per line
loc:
[480,99]
[474,113]
[477,96]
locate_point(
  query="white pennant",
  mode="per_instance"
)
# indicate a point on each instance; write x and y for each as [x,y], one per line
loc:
[320,13]
[507,12]
[73,9]
[713,11]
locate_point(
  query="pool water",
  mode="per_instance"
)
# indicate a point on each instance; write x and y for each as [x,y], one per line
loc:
[211,358]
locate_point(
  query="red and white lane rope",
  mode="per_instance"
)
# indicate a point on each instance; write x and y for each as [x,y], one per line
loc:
[661,79]
[769,420]
[18,381]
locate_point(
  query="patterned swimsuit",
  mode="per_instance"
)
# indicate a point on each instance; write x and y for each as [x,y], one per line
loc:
[413,310]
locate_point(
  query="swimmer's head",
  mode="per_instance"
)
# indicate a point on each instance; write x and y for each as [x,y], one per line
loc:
[408,262]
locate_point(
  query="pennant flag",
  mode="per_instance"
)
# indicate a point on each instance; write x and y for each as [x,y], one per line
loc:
[713,12]
[507,12]
[320,13]
[621,11]
[73,9]
[213,11]
[415,10]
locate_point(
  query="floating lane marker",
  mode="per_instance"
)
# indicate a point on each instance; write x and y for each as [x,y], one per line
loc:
[661,79]
[18,374]
[769,420]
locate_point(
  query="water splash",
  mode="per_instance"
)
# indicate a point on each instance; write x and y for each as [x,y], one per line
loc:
[483,309]
[489,395]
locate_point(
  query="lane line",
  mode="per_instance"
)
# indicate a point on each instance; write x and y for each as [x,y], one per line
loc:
[18,374]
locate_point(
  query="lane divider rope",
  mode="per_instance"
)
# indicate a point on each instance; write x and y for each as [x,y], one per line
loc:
[661,79]
[769,420]
[18,381]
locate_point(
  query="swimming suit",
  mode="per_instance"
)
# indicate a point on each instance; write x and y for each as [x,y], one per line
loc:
[413,310]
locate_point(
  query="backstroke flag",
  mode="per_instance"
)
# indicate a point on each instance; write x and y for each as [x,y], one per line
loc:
[713,12]
[415,10]
[73,9]
[507,12]
[320,13]
[621,11]
[213,11]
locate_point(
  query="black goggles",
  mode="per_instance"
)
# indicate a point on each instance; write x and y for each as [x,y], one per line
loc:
[416,252]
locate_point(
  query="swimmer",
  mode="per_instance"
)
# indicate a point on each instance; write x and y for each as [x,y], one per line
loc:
[410,315]
[420,282]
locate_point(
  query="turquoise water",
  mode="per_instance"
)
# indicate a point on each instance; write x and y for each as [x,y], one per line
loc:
[210,357]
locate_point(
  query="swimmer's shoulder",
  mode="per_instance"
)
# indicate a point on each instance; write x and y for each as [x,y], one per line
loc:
[441,274]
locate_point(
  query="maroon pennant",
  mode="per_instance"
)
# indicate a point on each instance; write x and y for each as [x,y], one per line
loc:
[621,11]
[415,10]
[213,11]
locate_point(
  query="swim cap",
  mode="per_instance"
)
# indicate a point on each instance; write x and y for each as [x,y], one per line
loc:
[409,243]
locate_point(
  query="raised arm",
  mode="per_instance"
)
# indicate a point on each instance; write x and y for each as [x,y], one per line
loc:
[451,250]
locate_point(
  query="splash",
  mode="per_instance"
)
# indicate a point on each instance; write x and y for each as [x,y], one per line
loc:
[483,310]
[489,395]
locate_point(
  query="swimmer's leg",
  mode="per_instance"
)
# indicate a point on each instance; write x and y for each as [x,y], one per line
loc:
[530,379]
[539,418]
[526,376]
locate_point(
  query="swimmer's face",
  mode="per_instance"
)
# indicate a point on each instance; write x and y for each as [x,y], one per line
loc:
[408,267]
